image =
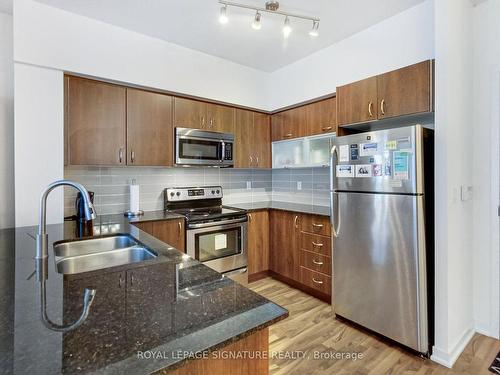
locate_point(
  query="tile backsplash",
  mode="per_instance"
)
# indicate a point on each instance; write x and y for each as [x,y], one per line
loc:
[110,185]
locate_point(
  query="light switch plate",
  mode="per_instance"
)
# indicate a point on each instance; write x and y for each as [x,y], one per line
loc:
[465,193]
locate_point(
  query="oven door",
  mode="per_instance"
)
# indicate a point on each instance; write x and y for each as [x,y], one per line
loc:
[221,246]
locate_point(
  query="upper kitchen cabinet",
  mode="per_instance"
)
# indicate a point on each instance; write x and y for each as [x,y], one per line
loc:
[220,118]
[252,136]
[322,117]
[190,113]
[405,91]
[195,114]
[289,124]
[357,102]
[96,123]
[149,128]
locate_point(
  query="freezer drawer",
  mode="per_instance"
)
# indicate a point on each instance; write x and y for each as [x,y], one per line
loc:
[379,265]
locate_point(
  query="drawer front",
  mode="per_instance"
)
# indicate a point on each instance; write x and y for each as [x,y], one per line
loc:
[316,280]
[315,224]
[316,244]
[316,262]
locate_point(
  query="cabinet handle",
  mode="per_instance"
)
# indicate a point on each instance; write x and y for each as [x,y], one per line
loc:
[132,156]
[120,281]
[180,230]
[317,281]
[319,263]
[370,106]
[250,217]
[120,155]
[317,225]
[317,244]
[295,221]
[211,123]
[251,160]
[202,121]
[327,128]
[257,160]
[382,106]
[132,280]
[288,135]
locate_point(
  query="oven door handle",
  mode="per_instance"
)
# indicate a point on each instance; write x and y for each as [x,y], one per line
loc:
[217,223]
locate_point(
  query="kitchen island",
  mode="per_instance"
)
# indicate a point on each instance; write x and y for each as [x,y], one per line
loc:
[167,314]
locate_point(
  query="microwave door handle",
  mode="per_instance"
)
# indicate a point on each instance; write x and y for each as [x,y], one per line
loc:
[223,151]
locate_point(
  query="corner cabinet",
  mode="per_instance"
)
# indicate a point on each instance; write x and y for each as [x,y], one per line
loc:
[402,92]
[253,139]
[311,119]
[113,125]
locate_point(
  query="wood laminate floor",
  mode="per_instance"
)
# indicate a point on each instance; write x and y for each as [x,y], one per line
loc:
[311,327]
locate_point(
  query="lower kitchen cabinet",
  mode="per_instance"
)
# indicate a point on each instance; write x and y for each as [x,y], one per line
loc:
[258,244]
[169,231]
[284,233]
[300,251]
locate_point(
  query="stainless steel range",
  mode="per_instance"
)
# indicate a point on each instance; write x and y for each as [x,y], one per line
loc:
[215,235]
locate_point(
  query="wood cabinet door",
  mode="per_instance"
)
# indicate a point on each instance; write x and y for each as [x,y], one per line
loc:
[357,102]
[405,91]
[190,113]
[262,140]
[283,251]
[322,117]
[149,129]
[244,139]
[296,122]
[277,126]
[258,242]
[96,123]
[171,232]
[146,226]
[220,118]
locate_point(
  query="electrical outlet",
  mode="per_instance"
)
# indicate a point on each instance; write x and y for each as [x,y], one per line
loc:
[465,193]
[299,185]
[249,185]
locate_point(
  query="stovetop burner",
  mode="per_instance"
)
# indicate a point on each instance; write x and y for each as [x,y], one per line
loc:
[199,203]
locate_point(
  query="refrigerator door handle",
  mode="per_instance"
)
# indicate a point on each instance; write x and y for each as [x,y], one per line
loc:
[333,163]
[335,228]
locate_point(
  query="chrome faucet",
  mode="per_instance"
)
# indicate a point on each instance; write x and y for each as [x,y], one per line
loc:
[42,238]
[42,255]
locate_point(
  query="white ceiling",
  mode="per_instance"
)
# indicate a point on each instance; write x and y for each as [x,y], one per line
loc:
[194,24]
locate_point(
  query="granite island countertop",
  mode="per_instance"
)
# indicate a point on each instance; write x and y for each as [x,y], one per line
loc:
[285,206]
[172,305]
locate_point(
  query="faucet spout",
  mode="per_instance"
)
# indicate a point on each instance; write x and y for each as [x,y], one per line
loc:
[42,238]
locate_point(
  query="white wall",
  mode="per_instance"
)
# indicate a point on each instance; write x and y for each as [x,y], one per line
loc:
[54,38]
[39,151]
[486,124]
[401,40]
[6,122]
[453,86]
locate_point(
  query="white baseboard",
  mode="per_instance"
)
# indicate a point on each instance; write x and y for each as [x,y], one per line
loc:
[449,358]
[486,329]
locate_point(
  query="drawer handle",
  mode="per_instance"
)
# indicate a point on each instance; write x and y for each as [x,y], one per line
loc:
[317,225]
[289,135]
[317,281]
[327,128]
[319,263]
[317,244]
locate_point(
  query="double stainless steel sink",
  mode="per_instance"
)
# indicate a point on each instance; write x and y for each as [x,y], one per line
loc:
[98,253]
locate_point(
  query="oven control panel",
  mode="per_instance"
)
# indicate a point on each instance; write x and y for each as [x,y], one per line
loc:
[192,193]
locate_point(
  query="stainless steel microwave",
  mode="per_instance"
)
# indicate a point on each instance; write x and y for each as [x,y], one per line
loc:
[199,147]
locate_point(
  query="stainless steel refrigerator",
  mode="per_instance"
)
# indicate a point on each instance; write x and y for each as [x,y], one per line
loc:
[381,196]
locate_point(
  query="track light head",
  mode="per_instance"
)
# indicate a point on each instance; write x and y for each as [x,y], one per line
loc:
[314,32]
[287,29]
[223,15]
[256,24]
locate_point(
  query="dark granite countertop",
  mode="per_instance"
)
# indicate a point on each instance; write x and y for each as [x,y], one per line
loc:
[171,305]
[285,206]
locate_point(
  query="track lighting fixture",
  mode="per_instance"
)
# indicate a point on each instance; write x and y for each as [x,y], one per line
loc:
[223,14]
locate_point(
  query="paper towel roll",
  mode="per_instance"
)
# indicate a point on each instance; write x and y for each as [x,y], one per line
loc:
[134,197]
